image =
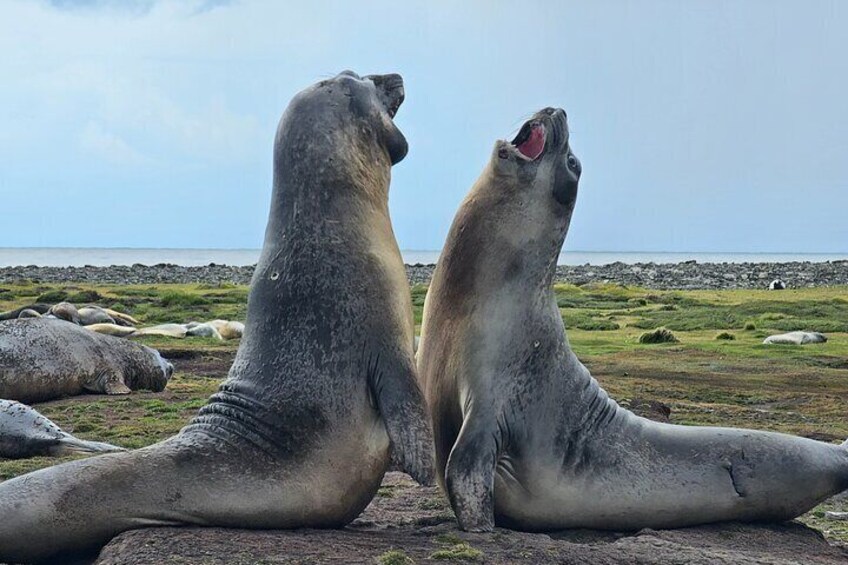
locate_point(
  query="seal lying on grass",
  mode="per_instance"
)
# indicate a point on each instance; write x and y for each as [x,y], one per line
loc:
[795,338]
[300,433]
[26,433]
[44,358]
[525,437]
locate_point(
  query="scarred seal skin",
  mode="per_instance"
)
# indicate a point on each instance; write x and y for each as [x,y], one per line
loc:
[323,383]
[525,437]
[46,358]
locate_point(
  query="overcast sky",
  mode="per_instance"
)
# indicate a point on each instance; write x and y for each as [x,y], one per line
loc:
[702,125]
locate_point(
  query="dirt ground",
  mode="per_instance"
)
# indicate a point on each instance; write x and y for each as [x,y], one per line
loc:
[407,523]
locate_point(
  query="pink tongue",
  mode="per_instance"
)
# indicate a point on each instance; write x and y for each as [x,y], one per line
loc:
[534,145]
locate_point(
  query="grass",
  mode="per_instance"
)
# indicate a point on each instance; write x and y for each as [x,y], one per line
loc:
[395,557]
[705,380]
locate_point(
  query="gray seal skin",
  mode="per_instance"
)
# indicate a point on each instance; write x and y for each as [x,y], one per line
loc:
[525,437]
[39,307]
[323,384]
[26,433]
[43,358]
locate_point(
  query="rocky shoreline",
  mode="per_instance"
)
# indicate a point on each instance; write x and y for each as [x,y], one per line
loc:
[688,275]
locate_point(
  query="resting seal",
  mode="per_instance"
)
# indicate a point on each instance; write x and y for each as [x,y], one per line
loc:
[45,358]
[38,307]
[524,435]
[299,434]
[795,338]
[26,433]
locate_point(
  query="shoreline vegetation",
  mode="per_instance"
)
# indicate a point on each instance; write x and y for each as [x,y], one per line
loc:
[717,372]
[688,275]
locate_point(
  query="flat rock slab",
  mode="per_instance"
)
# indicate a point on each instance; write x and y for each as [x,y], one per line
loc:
[417,521]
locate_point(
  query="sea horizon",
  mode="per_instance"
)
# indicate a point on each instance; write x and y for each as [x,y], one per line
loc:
[194,257]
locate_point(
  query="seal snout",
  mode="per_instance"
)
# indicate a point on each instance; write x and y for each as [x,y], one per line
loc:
[391,91]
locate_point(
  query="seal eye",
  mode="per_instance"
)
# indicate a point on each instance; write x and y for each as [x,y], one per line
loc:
[574,164]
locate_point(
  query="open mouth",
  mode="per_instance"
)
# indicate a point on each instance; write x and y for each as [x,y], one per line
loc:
[530,141]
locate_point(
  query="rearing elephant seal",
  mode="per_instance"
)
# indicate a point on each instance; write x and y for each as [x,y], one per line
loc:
[323,382]
[44,358]
[524,435]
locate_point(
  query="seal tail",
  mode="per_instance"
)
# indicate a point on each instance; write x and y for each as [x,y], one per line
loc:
[69,445]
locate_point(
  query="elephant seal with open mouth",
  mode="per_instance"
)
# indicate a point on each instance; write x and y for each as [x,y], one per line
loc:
[525,437]
[323,385]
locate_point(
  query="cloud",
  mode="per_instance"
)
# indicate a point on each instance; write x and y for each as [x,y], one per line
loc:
[98,142]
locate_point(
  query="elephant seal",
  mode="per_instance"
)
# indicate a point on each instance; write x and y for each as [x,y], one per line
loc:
[64,311]
[166,330]
[525,437]
[202,330]
[320,392]
[28,313]
[228,329]
[777,284]
[112,329]
[795,338]
[44,358]
[26,433]
[39,307]
[89,315]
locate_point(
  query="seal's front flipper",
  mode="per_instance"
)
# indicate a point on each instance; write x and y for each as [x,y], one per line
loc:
[470,475]
[403,408]
[69,444]
[106,383]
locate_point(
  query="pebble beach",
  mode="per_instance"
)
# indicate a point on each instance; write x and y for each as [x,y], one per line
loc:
[688,275]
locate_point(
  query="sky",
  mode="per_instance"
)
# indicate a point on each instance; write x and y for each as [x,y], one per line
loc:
[702,125]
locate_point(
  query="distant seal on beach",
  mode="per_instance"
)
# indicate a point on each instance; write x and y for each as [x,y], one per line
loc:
[795,338]
[202,330]
[777,284]
[64,311]
[525,437]
[28,313]
[111,329]
[321,390]
[89,315]
[26,433]
[39,307]
[228,329]
[167,330]
[45,358]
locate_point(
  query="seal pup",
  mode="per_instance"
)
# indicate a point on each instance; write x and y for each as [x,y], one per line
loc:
[323,386]
[202,330]
[26,433]
[525,437]
[795,338]
[228,329]
[45,358]
[89,315]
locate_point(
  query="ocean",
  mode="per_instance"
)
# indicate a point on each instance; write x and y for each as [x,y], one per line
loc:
[104,257]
